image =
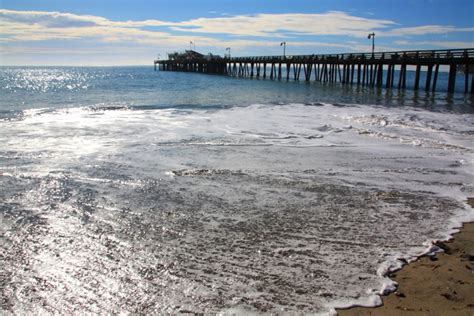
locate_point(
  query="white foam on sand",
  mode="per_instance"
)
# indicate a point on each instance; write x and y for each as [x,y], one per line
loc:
[334,197]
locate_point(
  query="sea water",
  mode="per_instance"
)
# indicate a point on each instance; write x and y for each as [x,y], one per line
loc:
[129,190]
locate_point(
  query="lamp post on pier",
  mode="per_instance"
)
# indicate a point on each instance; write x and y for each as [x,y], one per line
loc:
[284,48]
[192,45]
[372,36]
[228,52]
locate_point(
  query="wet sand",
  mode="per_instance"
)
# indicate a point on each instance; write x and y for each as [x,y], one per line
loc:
[440,285]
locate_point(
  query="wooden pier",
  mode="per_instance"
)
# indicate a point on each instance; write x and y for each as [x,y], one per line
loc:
[375,70]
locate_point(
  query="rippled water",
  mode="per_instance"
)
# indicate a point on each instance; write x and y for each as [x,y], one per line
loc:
[126,190]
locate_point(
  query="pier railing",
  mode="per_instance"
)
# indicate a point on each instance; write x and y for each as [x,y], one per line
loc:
[370,69]
[412,55]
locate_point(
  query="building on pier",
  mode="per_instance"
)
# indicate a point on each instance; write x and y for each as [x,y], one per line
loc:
[190,55]
[187,55]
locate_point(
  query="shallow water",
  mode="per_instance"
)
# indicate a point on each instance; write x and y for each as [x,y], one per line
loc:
[129,190]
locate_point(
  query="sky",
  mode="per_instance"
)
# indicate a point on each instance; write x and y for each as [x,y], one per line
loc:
[135,32]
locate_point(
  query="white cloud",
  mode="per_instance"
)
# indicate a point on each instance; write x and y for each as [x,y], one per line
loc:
[427,29]
[66,25]
[49,19]
[39,25]
[30,26]
[277,25]
[246,34]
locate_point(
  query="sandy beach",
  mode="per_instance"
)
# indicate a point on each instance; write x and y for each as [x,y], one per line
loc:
[439,285]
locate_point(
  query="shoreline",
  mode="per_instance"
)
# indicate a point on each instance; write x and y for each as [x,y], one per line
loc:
[441,284]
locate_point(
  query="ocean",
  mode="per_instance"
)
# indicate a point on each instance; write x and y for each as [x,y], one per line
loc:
[125,190]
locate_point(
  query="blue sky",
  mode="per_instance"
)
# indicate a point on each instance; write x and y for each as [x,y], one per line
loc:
[103,32]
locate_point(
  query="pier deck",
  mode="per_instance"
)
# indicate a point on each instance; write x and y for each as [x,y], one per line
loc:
[376,70]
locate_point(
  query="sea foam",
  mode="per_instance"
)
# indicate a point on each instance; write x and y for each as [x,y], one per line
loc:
[265,208]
